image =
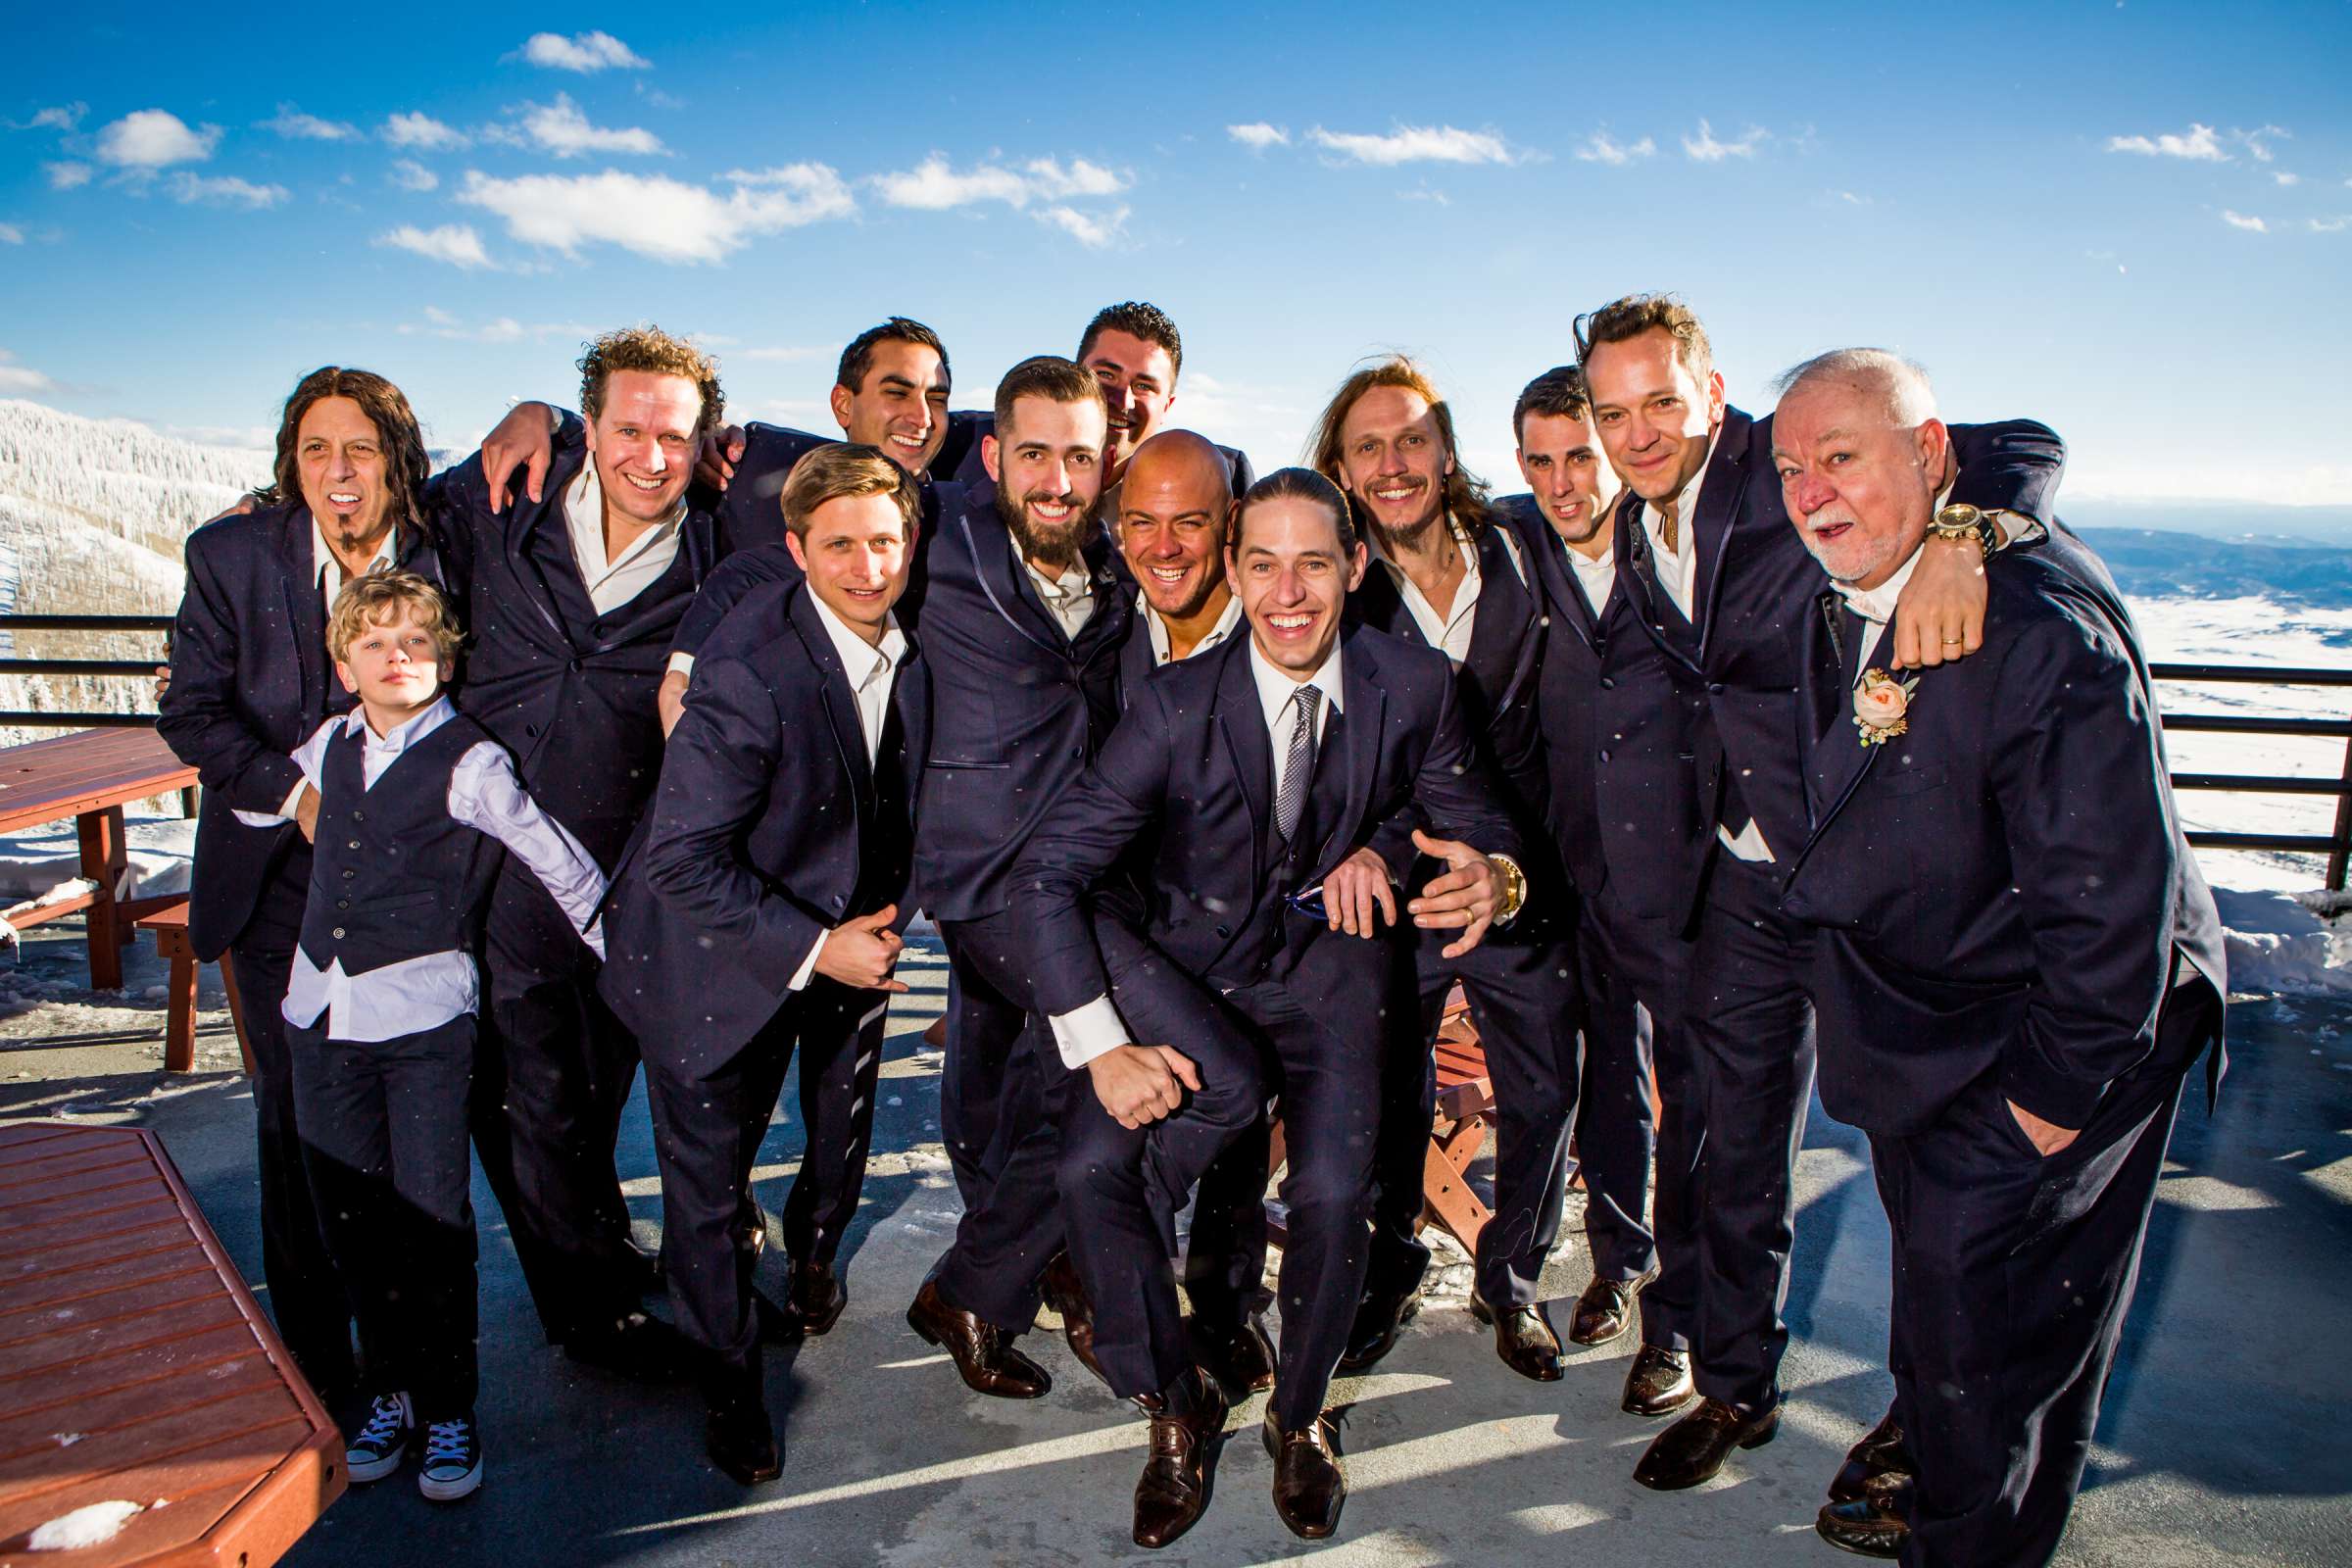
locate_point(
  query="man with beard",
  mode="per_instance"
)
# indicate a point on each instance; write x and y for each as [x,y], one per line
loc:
[1444,573]
[250,681]
[1614,738]
[1723,585]
[1022,623]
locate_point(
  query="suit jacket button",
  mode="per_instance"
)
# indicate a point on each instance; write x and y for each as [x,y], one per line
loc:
[838,901]
[338,933]
[1608,683]
[359,816]
[342,903]
[352,845]
[1224,931]
[577,665]
[1715,688]
[1605,754]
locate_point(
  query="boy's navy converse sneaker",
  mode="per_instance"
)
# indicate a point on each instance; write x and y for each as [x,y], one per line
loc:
[374,1450]
[453,1460]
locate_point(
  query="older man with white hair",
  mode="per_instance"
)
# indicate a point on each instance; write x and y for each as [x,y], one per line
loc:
[2012,958]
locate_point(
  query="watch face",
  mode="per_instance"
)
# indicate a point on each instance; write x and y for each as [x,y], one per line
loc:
[1959,515]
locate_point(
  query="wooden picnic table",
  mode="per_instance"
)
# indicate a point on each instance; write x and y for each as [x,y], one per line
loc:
[136,1367]
[89,775]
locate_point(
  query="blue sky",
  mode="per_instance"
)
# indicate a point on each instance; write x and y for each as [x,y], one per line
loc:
[2134,220]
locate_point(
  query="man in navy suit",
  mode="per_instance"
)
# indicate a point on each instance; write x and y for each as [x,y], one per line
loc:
[779,844]
[2008,1005]
[1621,812]
[1175,902]
[573,600]
[1724,585]
[251,681]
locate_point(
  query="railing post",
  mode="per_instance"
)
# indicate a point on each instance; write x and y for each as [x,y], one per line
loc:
[2342,848]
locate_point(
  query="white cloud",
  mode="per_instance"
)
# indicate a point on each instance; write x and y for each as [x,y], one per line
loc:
[1415,144]
[1093,230]
[2288,179]
[11,235]
[1047,177]
[2241,220]
[2257,140]
[498,329]
[562,129]
[16,378]
[933,186]
[1259,135]
[409,175]
[422,132]
[1708,148]
[63,117]
[455,243]
[2330,225]
[582,51]
[1601,148]
[654,216]
[67,175]
[295,125]
[2200,145]
[224,191]
[155,138]
[1852,200]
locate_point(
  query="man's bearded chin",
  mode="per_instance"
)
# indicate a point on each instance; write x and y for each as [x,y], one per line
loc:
[1056,547]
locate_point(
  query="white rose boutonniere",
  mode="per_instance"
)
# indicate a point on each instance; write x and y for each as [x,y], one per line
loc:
[1882,706]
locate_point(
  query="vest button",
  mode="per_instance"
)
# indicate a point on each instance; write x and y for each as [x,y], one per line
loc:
[342,903]
[349,876]
[338,933]
[359,816]
[1224,931]
[1608,683]
[1715,688]
[352,845]
[1605,754]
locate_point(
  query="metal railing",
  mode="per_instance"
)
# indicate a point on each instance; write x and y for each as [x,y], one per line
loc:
[2336,845]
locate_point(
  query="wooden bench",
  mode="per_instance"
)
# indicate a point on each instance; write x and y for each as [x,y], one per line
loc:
[136,1367]
[171,927]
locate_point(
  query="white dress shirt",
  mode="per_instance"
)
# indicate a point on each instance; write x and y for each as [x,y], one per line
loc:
[1596,576]
[1452,630]
[1069,598]
[425,991]
[1096,1028]
[1157,628]
[614,582]
[872,671]
[1678,568]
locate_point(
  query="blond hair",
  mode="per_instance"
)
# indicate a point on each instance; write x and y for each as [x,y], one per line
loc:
[648,348]
[377,598]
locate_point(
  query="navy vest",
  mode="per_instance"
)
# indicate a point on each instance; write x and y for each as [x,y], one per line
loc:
[393,875]
[1277,932]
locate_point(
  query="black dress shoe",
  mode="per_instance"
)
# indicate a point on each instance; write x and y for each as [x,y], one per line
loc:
[1879,1453]
[1523,1337]
[742,1443]
[1065,1293]
[1606,1310]
[641,1349]
[1241,1358]
[1310,1487]
[1873,1525]
[1658,1383]
[817,1295]
[1378,1322]
[1187,1418]
[987,1363]
[1693,1449]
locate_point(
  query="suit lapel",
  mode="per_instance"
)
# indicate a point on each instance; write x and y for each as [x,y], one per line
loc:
[1557,575]
[306,609]
[1243,723]
[840,703]
[996,567]
[1722,495]
[1841,760]
[1366,709]
[522,561]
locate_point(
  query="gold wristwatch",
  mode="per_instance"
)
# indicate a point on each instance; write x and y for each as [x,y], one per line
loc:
[1514,887]
[1963,521]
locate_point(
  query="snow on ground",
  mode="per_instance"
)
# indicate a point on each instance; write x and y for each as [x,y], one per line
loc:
[33,864]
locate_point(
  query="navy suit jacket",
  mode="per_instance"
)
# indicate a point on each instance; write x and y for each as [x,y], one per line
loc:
[1020,708]
[570,692]
[764,823]
[1755,584]
[751,510]
[1620,798]
[251,681]
[1182,795]
[2003,889]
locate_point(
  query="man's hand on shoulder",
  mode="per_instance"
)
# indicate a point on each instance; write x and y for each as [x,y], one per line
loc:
[1356,887]
[721,449]
[861,953]
[1140,1084]
[1941,614]
[525,437]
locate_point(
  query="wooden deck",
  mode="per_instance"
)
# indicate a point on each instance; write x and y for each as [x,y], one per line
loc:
[135,1365]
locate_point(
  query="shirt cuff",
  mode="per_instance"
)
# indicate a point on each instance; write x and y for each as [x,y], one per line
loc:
[1094,1030]
[285,813]
[679,664]
[808,969]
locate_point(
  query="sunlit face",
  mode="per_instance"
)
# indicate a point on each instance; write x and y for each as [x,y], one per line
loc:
[1561,460]
[1860,486]
[903,408]
[1393,459]
[643,442]
[341,461]
[394,665]
[855,552]
[1138,382]
[1172,522]
[1293,576]
[1654,418]
[1049,472]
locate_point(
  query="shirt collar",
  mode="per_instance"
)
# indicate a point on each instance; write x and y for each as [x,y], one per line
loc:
[584,509]
[1685,502]
[860,660]
[1461,537]
[1877,604]
[1157,628]
[322,553]
[405,734]
[1276,688]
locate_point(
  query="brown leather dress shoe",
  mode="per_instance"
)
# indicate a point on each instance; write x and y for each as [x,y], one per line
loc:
[1310,1485]
[1065,1293]
[1378,1322]
[989,1364]
[742,1441]
[1658,1383]
[1241,1358]
[1879,1453]
[1187,1418]
[1693,1449]
[1873,1525]
[1606,1310]
[1523,1337]
[817,1295]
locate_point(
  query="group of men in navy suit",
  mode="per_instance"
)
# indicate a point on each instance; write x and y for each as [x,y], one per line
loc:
[1216,787]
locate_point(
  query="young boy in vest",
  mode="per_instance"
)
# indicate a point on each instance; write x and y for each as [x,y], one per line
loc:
[415,802]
